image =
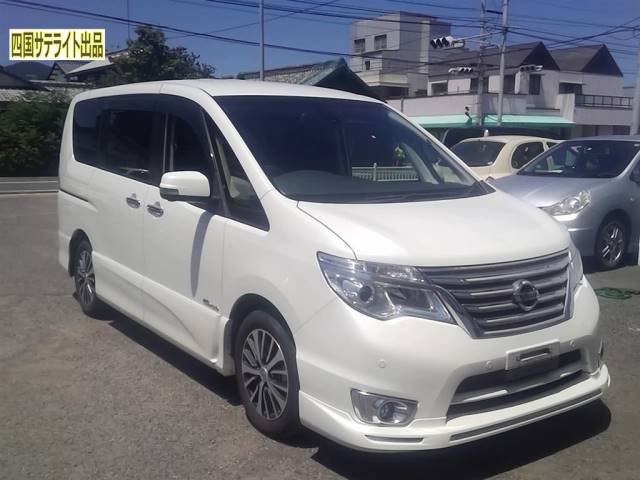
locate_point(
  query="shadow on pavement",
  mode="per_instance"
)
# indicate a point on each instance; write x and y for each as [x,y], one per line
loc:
[479,459]
[224,387]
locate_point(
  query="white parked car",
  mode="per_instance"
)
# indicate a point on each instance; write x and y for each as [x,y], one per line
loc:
[257,227]
[500,155]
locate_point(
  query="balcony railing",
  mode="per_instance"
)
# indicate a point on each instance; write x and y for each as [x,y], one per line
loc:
[603,101]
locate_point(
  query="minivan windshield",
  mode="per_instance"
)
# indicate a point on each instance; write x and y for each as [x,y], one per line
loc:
[478,153]
[345,151]
[584,159]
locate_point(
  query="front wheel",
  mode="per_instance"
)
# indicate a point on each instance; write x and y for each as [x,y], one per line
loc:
[85,280]
[611,243]
[267,375]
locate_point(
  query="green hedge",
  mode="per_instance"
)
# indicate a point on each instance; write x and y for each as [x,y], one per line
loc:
[30,134]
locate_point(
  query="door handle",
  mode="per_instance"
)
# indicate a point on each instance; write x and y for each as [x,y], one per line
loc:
[133,202]
[155,210]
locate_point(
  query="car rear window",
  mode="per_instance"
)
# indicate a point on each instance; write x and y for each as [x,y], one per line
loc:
[478,153]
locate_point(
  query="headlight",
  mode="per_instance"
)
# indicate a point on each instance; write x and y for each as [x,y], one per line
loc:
[575,267]
[381,290]
[570,205]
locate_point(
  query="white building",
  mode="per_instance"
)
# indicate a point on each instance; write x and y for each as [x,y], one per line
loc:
[393,52]
[578,92]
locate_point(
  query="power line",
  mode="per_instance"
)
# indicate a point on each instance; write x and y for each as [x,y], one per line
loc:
[123,21]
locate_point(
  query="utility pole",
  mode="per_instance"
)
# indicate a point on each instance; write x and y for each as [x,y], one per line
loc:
[635,121]
[261,10]
[503,48]
[483,32]
[128,22]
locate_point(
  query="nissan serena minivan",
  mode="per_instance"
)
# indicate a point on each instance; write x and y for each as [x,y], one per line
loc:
[353,275]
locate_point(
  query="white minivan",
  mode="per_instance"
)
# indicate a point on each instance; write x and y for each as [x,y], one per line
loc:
[353,276]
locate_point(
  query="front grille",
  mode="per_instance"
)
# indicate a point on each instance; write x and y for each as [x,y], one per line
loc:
[484,294]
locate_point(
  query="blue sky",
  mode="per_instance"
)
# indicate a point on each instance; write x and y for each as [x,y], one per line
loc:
[551,19]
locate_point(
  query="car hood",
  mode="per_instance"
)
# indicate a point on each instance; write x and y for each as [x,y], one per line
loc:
[490,228]
[542,191]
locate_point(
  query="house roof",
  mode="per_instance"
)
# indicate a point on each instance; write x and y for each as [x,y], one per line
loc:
[588,59]
[334,74]
[10,80]
[515,56]
[67,65]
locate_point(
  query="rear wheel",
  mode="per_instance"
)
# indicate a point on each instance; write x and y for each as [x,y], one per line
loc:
[611,243]
[267,375]
[85,280]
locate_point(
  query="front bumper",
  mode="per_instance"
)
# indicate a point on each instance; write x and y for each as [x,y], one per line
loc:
[426,361]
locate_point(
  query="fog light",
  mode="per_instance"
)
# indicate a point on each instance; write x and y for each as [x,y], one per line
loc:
[382,410]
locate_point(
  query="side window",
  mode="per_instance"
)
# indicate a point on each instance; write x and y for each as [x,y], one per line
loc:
[524,153]
[86,127]
[242,200]
[128,124]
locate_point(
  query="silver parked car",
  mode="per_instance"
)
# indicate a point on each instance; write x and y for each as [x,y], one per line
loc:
[591,185]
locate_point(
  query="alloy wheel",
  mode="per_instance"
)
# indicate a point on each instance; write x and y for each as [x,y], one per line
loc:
[611,244]
[264,374]
[85,278]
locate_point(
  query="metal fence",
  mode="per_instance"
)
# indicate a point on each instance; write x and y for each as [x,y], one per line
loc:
[385,174]
[607,101]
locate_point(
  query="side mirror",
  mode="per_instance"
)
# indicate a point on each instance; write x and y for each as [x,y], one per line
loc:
[635,175]
[185,186]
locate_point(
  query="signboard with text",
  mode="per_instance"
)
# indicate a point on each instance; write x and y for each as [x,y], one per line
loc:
[56,44]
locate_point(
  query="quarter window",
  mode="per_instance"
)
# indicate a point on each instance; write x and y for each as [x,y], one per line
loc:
[86,127]
[242,201]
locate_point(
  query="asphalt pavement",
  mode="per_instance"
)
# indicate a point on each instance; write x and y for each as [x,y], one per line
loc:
[107,399]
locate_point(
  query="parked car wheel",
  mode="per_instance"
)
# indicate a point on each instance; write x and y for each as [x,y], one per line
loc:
[267,376]
[611,243]
[85,280]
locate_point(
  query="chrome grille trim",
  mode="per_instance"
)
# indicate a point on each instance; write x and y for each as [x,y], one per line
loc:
[482,295]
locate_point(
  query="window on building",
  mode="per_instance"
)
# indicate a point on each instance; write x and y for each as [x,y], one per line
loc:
[534,84]
[439,88]
[474,85]
[524,153]
[367,64]
[380,42]
[566,87]
[510,83]
[358,45]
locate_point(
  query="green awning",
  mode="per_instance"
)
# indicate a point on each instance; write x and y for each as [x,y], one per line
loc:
[451,121]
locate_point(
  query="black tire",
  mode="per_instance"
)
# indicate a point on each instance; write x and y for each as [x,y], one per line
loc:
[611,243]
[85,280]
[261,386]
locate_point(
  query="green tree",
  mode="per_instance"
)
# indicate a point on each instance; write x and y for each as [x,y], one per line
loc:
[30,133]
[149,58]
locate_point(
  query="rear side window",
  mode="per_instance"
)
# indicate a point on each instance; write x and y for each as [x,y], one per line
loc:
[524,153]
[86,127]
[128,137]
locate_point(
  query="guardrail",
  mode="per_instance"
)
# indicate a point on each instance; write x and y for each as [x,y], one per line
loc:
[606,101]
